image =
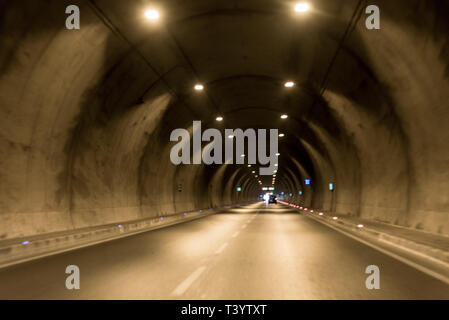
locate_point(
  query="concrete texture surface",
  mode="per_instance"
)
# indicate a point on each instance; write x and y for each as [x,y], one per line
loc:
[85,115]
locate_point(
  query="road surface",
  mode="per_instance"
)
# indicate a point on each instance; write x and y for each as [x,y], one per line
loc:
[251,252]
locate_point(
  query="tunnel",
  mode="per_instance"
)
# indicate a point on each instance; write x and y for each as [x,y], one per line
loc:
[87,116]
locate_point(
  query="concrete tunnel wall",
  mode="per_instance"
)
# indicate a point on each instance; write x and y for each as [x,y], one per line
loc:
[86,115]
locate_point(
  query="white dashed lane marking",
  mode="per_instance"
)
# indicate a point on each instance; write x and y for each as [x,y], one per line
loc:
[220,250]
[183,286]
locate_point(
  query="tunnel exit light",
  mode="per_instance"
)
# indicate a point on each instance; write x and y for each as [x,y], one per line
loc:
[331,186]
[239,189]
[307,181]
[300,192]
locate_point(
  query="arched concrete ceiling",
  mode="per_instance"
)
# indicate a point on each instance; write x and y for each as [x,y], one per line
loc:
[86,115]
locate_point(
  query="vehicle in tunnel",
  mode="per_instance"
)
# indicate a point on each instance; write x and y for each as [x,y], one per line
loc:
[272,199]
[138,139]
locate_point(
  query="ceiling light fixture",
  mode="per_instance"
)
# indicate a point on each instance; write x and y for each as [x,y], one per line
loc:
[152,14]
[199,87]
[302,7]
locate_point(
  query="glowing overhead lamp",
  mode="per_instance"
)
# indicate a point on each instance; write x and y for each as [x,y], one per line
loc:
[152,14]
[199,87]
[302,7]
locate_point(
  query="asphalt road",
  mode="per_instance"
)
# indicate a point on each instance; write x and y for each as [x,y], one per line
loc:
[251,252]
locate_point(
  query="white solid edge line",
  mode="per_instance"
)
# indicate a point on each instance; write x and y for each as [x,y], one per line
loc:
[392,244]
[393,255]
[220,250]
[183,286]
